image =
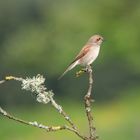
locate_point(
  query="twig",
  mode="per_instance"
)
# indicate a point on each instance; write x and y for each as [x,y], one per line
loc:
[62,112]
[88,100]
[67,118]
[35,124]
[39,125]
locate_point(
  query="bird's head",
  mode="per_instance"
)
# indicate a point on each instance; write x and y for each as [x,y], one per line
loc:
[96,40]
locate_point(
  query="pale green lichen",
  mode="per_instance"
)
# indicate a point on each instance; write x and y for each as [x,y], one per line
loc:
[36,85]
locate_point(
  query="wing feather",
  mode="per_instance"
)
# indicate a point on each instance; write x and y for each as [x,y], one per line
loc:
[82,53]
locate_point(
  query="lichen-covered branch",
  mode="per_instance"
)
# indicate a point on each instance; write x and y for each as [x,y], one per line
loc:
[61,111]
[88,101]
[43,95]
[36,85]
[41,126]
[35,123]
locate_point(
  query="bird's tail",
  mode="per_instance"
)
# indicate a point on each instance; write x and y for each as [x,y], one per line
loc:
[71,66]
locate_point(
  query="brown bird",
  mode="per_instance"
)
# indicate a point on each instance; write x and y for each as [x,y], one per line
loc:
[88,53]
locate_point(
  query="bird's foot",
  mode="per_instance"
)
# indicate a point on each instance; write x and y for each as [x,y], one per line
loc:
[80,72]
[84,70]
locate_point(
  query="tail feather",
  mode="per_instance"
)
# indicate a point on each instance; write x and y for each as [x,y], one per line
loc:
[71,66]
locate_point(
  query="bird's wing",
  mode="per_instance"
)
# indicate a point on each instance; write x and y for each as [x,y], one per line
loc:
[82,53]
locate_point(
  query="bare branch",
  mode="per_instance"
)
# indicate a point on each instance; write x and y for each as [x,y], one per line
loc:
[88,101]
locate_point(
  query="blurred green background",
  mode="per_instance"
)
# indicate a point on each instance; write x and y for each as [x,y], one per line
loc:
[43,36]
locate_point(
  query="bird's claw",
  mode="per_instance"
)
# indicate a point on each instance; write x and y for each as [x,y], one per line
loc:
[80,72]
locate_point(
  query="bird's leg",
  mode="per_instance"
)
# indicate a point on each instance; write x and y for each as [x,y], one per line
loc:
[88,68]
[83,70]
[80,72]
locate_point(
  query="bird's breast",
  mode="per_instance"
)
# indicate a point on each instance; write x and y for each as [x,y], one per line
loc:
[90,56]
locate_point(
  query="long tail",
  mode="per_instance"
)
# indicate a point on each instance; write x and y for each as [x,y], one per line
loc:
[71,66]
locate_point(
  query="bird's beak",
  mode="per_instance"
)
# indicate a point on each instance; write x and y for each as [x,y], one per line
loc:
[103,39]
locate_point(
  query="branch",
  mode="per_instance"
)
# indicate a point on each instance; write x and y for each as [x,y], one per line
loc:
[67,118]
[88,100]
[35,124]
[39,125]
[62,112]
[29,84]
[36,85]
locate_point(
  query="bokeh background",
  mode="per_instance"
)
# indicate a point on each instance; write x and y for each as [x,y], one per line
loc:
[43,36]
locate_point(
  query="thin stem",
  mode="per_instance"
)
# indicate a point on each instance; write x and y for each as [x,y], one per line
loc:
[35,124]
[39,125]
[67,118]
[61,111]
[88,100]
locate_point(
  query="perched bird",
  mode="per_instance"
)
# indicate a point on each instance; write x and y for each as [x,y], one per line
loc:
[87,55]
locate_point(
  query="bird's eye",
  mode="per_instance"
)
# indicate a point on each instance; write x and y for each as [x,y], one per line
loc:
[98,39]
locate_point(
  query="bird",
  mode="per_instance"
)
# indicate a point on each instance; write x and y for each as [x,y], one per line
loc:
[88,53]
